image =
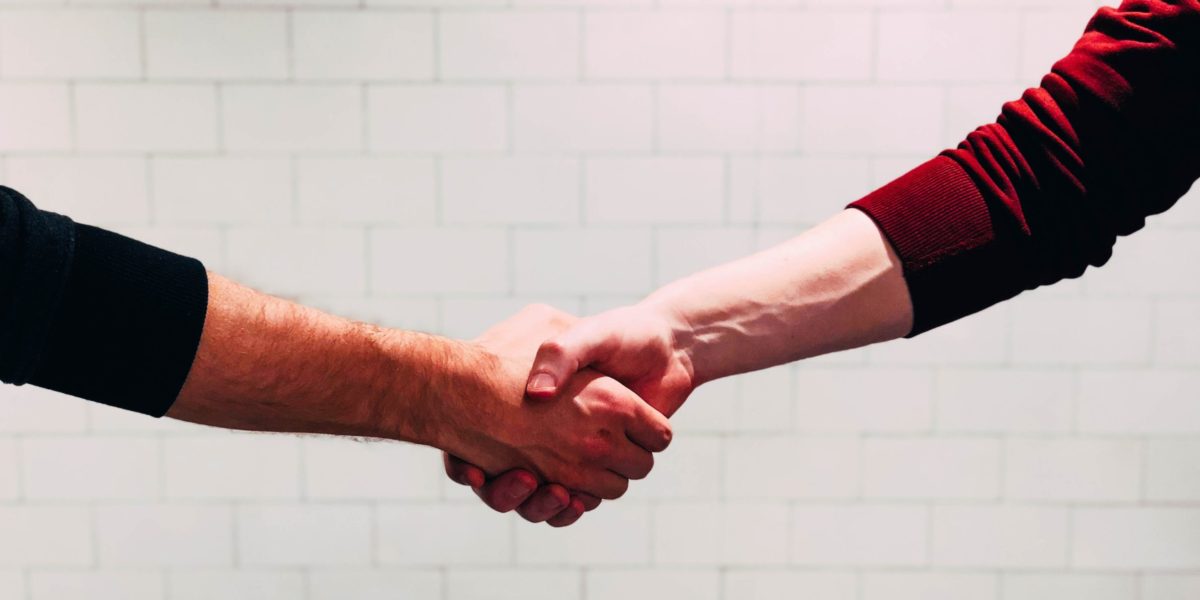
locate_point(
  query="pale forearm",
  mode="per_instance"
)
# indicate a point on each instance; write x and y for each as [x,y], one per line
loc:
[266,364]
[834,287]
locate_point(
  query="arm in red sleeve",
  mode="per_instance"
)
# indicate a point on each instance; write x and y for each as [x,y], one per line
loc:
[1110,137]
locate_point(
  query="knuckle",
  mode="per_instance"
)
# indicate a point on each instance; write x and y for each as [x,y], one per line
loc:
[553,348]
[666,435]
[644,468]
[618,489]
[597,448]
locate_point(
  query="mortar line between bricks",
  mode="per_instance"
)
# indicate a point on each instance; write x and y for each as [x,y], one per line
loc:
[143,55]
[289,40]
[73,116]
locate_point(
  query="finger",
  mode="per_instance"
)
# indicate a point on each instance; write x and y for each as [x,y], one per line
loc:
[568,515]
[545,503]
[606,484]
[560,357]
[631,461]
[508,490]
[649,429]
[589,501]
[463,472]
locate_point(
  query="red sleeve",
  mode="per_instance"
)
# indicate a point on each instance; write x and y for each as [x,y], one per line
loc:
[1111,136]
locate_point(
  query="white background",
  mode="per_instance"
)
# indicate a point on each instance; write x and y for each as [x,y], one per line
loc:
[436,165]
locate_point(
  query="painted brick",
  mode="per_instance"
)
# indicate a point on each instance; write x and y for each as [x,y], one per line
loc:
[193,191]
[382,584]
[1081,586]
[728,118]
[10,474]
[513,584]
[298,260]
[126,585]
[802,45]
[818,467]
[749,534]
[863,400]
[366,190]
[994,401]
[34,117]
[618,535]
[640,45]
[91,190]
[1172,470]
[1000,536]
[615,584]
[164,536]
[373,45]
[1057,331]
[899,585]
[277,118]
[1135,538]
[795,190]
[79,468]
[46,536]
[842,119]
[546,260]
[450,534]
[468,260]
[239,466]
[235,584]
[417,118]
[1177,332]
[1137,401]
[550,118]
[179,45]
[281,535]
[958,468]
[779,584]
[380,470]
[146,117]
[509,45]
[1065,470]
[870,534]
[945,46]
[655,190]
[525,190]
[70,44]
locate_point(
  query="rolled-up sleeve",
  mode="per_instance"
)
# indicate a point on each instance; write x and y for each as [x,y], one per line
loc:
[94,314]
[1111,136]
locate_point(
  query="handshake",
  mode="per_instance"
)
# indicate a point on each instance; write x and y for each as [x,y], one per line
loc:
[569,410]
[545,413]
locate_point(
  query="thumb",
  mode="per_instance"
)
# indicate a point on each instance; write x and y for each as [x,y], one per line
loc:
[561,357]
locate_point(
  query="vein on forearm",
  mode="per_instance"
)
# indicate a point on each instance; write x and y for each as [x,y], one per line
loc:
[266,364]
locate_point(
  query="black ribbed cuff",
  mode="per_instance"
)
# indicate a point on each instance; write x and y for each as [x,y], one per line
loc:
[35,260]
[128,324]
[939,225]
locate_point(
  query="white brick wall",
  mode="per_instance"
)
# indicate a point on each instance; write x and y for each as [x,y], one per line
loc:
[436,164]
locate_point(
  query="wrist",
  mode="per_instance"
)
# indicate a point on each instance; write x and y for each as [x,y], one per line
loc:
[419,378]
[690,349]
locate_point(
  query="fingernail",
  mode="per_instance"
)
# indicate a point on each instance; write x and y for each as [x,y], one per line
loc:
[550,503]
[542,382]
[519,489]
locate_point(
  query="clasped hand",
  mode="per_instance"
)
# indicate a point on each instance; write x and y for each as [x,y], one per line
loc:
[605,384]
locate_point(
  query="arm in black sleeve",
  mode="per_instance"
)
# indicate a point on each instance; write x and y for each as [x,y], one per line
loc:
[93,314]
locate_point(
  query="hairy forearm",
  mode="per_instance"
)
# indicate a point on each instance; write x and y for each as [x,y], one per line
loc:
[266,364]
[834,287]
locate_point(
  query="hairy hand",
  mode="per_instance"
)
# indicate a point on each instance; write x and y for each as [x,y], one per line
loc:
[638,346]
[597,437]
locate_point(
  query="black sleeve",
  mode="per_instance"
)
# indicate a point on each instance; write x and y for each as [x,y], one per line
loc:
[94,314]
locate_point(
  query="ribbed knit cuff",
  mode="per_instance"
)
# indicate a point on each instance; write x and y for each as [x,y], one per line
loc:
[35,260]
[128,325]
[939,225]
